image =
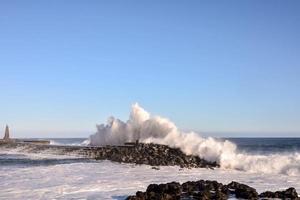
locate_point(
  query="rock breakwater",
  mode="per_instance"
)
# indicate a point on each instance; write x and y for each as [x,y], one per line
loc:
[137,153]
[152,154]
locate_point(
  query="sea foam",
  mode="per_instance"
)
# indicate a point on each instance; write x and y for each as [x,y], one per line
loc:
[146,128]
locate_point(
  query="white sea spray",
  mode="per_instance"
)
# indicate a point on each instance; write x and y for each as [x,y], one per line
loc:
[144,127]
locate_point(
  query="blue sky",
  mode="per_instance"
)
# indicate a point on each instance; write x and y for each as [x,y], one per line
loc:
[230,68]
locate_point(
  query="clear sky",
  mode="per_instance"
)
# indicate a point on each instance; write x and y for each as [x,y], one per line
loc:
[230,68]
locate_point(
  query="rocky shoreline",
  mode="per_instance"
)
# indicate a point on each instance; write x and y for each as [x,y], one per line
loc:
[159,155]
[136,153]
[204,190]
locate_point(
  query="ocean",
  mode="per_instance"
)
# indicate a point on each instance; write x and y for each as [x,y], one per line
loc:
[47,176]
[267,145]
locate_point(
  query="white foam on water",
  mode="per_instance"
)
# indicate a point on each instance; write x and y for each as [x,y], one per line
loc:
[84,143]
[24,152]
[144,127]
[108,180]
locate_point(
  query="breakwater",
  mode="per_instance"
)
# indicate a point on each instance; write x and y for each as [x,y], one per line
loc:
[137,153]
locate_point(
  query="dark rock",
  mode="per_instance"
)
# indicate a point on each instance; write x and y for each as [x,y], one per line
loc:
[154,188]
[243,191]
[173,188]
[205,190]
[152,154]
[156,168]
[140,194]
[290,193]
[138,153]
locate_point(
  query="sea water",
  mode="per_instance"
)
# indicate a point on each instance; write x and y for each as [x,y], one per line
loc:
[47,176]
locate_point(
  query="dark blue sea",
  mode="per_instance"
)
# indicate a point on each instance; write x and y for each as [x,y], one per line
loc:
[267,145]
[258,146]
[250,145]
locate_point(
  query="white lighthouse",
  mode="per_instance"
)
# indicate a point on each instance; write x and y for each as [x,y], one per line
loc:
[6,135]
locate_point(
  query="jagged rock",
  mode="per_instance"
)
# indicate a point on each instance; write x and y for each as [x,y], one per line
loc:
[205,190]
[154,155]
[138,153]
[290,193]
[243,191]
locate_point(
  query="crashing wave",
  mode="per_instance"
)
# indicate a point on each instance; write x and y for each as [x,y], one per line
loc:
[154,129]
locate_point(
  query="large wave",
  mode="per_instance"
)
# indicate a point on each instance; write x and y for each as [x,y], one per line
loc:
[155,129]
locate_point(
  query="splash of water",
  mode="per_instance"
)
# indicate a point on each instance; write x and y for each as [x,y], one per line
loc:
[155,129]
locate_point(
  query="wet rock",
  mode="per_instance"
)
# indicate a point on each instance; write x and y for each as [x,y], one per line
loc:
[207,190]
[156,168]
[290,193]
[167,191]
[152,154]
[243,191]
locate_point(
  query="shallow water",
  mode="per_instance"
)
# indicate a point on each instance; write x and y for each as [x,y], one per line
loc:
[108,180]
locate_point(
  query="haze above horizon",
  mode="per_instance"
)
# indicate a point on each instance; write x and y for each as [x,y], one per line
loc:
[227,68]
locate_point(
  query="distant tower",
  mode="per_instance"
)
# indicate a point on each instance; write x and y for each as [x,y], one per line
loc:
[6,136]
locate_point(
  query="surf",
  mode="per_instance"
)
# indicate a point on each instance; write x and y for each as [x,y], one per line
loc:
[148,128]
